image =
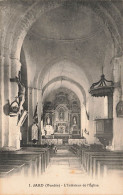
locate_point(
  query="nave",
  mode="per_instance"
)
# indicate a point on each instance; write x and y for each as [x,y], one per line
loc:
[61,85]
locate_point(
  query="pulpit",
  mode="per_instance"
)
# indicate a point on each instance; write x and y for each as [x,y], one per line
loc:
[104,130]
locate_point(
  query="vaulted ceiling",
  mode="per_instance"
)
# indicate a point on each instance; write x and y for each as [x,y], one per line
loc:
[69,44]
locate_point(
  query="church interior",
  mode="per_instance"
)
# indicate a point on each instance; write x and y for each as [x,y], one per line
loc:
[61,85]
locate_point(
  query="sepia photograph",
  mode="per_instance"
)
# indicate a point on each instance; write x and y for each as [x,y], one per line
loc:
[61,97]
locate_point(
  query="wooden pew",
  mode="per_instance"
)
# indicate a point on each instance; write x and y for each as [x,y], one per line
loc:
[22,158]
[45,152]
[91,158]
[107,159]
[26,164]
[105,167]
[6,172]
[88,158]
[13,169]
[36,159]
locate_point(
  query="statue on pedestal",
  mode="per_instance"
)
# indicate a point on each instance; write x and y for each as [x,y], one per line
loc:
[48,120]
[74,120]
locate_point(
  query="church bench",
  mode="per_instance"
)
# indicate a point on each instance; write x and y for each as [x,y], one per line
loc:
[88,156]
[94,170]
[14,162]
[13,169]
[44,151]
[104,155]
[40,155]
[86,153]
[104,167]
[47,153]
[28,158]
[39,158]
[110,170]
[29,168]
[6,172]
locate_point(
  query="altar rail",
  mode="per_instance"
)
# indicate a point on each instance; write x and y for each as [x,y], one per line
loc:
[50,141]
[76,141]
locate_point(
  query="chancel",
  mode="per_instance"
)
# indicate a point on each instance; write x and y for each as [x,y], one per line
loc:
[61,86]
[62,115]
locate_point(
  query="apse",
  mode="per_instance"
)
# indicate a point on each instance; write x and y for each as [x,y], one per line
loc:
[62,115]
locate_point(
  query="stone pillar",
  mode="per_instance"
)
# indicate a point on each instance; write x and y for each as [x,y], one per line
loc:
[82,119]
[30,114]
[14,129]
[4,101]
[117,143]
[6,97]
[90,117]
[9,131]
[34,99]
[40,111]
[1,100]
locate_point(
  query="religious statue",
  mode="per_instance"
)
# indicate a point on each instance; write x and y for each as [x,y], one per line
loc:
[20,99]
[74,120]
[34,132]
[61,114]
[48,120]
[21,93]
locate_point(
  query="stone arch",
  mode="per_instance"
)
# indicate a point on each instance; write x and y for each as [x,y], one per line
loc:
[69,85]
[69,80]
[73,60]
[15,40]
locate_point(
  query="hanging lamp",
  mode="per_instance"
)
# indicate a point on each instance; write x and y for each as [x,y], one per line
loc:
[102,88]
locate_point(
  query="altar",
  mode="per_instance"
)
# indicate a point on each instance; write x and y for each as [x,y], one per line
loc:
[61,129]
[63,115]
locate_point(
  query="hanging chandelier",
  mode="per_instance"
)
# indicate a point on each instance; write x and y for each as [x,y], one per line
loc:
[102,88]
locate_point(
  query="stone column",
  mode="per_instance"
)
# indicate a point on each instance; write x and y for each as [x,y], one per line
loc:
[117,143]
[40,111]
[90,117]
[9,131]
[1,100]
[6,97]
[34,99]
[30,114]
[14,129]
[83,119]
[4,100]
